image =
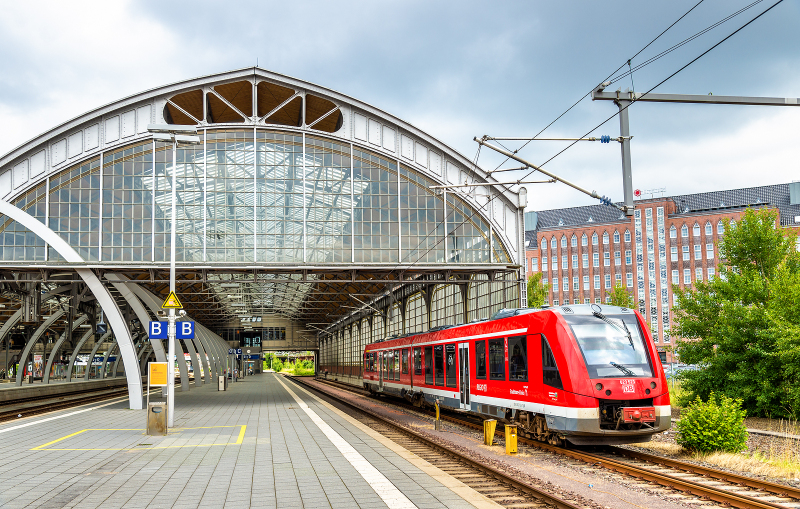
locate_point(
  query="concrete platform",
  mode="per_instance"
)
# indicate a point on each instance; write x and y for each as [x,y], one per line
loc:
[263,443]
[10,392]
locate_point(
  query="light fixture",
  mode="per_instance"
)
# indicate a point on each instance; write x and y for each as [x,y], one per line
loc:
[229,285]
[235,296]
[238,304]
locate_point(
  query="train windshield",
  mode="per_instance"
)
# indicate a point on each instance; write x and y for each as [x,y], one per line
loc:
[612,346]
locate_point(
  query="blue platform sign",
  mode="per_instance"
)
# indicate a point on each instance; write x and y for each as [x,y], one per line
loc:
[158,330]
[184,330]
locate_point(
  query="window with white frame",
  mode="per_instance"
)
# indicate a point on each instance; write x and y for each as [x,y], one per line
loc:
[709,229]
[555,302]
[553,243]
[698,274]
[698,252]
[720,227]
[585,260]
[574,261]
[597,282]
[574,240]
[711,272]
[687,276]
[534,264]
[566,302]
[629,279]
[673,253]
[616,237]
[585,282]
[618,279]
[554,263]
[587,301]
[709,251]
[543,243]
[617,258]
[732,224]
[627,236]
[594,239]
[686,253]
[628,259]
[605,238]
[584,240]
[673,232]
[564,262]
[596,259]
[545,281]
[576,284]
[544,264]
[564,241]
[675,277]
[565,285]
[555,285]
[606,259]
[684,231]
[608,280]
[696,230]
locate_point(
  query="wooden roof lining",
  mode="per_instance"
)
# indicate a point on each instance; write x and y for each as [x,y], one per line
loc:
[270,96]
[290,115]
[176,117]
[316,107]
[239,94]
[191,102]
[221,113]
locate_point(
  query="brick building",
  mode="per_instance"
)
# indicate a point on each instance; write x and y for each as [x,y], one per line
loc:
[583,251]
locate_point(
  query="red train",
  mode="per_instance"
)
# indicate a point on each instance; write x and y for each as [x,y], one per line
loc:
[588,374]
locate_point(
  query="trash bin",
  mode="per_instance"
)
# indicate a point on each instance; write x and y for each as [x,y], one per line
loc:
[222,383]
[157,419]
[30,378]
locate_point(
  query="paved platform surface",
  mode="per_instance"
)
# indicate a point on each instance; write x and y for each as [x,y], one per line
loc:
[263,443]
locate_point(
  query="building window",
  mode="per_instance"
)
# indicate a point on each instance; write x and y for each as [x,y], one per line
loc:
[564,262]
[711,273]
[606,259]
[684,231]
[709,229]
[605,238]
[673,232]
[585,260]
[553,244]
[710,251]
[575,261]
[534,264]
[594,239]
[687,276]
[673,253]
[696,230]
[564,241]
[597,282]
[629,279]
[596,259]
[544,244]
[617,258]
[616,237]
[555,285]
[584,240]
[574,240]
[628,259]
[685,253]
[555,302]
[566,302]
[627,236]
[618,279]
[732,224]
[566,284]
[545,281]
[576,284]
[675,277]
[544,264]
[720,227]
[585,282]
[554,263]
[608,280]
[697,252]
[698,274]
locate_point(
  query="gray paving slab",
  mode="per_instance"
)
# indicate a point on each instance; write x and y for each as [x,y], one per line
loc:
[102,458]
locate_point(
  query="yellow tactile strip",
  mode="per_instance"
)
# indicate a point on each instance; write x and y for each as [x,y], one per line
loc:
[46,447]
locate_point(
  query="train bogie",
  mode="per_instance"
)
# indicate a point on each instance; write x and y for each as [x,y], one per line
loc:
[588,374]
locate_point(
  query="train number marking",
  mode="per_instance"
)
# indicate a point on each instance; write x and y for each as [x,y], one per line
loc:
[627,381]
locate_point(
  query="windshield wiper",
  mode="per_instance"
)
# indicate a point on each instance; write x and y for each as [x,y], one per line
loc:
[627,331]
[622,368]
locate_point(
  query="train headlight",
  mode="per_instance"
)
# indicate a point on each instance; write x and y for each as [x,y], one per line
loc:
[647,391]
[598,386]
[652,385]
[608,392]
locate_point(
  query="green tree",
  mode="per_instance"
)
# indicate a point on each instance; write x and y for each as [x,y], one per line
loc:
[742,327]
[620,296]
[537,292]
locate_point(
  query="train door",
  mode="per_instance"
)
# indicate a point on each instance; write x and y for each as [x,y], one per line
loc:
[463,374]
[380,370]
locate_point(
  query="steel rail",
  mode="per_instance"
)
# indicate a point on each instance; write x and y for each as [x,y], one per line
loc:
[716,494]
[497,474]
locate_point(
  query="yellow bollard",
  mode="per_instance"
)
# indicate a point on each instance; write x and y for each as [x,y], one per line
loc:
[437,424]
[489,425]
[511,439]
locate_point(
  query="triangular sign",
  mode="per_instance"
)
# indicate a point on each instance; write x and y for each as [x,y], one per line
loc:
[172,302]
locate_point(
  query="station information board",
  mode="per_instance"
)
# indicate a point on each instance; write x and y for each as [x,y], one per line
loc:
[157,374]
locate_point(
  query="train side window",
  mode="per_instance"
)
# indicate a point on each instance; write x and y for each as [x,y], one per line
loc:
[450,362]
[429,365]
[497,359]
[390,365]
[438,364]
[397,364]
[385,364]
[518,359]
[417,361]
[480,359]
[404,361]
[550,374]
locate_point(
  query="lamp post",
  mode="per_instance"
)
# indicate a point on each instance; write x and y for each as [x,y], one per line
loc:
[187,135]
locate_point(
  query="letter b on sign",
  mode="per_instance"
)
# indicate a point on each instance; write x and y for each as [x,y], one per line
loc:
[158,330]
[184,330]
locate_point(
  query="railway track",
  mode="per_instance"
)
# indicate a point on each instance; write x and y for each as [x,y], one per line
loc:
[52,404]
[486,480]
[706,483]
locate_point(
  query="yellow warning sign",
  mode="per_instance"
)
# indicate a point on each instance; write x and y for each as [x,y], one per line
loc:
[172,302]
[158,374]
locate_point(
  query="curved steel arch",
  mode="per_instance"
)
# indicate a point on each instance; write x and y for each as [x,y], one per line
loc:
[101,293]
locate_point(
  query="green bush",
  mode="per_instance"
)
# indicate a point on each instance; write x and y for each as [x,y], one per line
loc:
[716,425]
[277,365]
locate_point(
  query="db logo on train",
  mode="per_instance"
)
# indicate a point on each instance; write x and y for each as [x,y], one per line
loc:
[627,385]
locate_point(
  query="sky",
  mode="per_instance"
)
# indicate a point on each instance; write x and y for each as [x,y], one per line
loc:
[455,69]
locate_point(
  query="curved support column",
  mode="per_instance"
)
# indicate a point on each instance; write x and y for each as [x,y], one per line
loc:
[201,352]
[90,360]
[198,381]
[101,293]
[139,310]
[75,353]
[214,347]
[143,358]
[151,302]
[57,347]
[106,356]
[23,358]
[220,348]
